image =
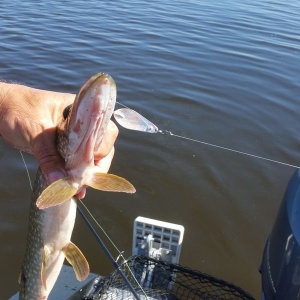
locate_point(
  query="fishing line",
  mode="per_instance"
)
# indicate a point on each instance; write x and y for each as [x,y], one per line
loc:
[132,120]
[229,149]
[107,252]
[28,175]
[101,228]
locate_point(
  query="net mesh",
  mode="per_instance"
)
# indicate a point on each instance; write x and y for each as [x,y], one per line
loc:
[162,280]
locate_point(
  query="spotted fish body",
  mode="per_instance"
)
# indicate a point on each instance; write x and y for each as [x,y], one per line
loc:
[53,207]
[52,227]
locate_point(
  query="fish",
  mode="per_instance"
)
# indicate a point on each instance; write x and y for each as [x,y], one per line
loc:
[53,207]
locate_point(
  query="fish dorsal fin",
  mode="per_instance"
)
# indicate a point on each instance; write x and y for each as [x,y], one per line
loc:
[56,193]
[79,263]
[110,183]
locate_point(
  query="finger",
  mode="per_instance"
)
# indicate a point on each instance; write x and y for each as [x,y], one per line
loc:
[81,194]
[103,164]
[45,151]
[108,141]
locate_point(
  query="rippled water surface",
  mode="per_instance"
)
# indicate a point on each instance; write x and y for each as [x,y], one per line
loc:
[223,72]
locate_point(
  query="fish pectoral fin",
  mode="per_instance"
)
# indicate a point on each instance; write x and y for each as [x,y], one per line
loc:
[110,183]
[56,193]
[79,263]
[46,255]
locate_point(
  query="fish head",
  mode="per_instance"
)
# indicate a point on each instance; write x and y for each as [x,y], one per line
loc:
[84,124]
[79,135]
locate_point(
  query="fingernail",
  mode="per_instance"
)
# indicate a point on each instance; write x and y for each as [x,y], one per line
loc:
[55,175]
[81,194]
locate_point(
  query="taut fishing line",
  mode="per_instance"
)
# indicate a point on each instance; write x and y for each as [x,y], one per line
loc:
[132,120]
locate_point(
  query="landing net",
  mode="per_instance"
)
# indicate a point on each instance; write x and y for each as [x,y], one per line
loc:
[161,280]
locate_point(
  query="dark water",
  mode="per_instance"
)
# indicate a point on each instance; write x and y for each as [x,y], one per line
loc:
[224,72]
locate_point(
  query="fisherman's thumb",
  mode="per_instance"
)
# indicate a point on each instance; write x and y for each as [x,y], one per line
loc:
[49,159]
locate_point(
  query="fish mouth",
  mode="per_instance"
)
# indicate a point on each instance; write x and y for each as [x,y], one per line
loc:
[89,117]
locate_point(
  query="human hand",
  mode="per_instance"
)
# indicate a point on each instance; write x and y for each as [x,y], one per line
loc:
[28,120]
